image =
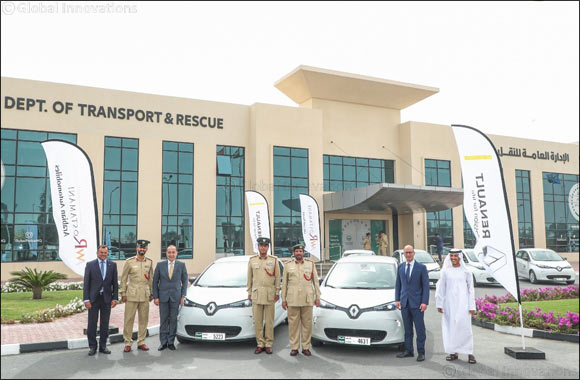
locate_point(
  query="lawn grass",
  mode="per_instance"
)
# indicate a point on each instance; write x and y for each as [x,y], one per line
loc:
[556,306]
[14,304]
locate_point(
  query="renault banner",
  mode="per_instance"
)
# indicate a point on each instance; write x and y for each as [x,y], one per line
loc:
[310,224]
[258,217]
[74,205]
[486,207]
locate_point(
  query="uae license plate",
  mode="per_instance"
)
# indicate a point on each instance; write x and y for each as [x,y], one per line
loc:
[354,340]
[210,336]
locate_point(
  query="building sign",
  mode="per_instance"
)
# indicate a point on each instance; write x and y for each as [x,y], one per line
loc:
[111,112]
[573,202]
[537,155]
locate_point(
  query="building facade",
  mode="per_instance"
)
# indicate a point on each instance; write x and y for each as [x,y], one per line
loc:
[174,170]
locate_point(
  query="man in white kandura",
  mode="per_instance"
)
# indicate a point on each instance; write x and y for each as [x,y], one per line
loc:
[455,299]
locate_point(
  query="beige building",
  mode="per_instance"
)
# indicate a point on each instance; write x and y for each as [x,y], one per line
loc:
[173,170]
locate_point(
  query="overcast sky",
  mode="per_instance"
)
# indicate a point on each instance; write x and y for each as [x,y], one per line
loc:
[504,68]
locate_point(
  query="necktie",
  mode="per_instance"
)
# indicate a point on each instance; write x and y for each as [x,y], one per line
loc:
[103,269]
[170,269]
[408,272]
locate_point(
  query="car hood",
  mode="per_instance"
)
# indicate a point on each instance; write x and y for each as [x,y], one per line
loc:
[361,297]
[431,266]
[553,264]
[221,296]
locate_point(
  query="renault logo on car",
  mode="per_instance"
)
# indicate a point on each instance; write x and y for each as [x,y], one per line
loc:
[353,311]
[211,308]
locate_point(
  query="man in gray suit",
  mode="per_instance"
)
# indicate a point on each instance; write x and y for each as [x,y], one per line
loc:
[169,289]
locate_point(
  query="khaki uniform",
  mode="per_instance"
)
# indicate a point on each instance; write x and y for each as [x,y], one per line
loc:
[300,289]
[383,242]
[367,243]
[263,287]
[136,285]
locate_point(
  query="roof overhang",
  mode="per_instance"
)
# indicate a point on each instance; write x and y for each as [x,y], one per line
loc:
[388,197]
[306,82]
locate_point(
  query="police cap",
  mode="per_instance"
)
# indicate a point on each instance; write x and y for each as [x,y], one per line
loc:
[298,246]
[263,241]
[142,243]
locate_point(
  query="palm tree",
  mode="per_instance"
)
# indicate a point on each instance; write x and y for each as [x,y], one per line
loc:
[35,280]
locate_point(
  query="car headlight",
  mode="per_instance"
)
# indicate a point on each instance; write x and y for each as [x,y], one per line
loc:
[326,305]
[385,307]
[543,266]
[435,270]
[242,303]
[188,302]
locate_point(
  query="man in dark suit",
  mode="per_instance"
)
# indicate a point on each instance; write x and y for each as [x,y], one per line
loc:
[100,294]
[170,283]
[412,298]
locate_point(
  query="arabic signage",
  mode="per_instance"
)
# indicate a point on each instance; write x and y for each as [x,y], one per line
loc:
[537,155]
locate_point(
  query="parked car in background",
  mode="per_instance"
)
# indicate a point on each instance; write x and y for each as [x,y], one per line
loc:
[542,264]
[217,307]
[358,252]
[357,303]
[433,268]
[480,275]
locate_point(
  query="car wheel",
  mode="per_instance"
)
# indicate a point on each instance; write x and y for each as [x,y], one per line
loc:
[533,278]
[183,341]
[570,282]
[316,342]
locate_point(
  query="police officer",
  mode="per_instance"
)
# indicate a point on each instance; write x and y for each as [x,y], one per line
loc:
[136,293]
[263,291]
[300,290]
[383,242]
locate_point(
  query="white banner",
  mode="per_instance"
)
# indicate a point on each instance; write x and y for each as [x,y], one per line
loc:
[485,205]
[73,203]
[310,224]
[258,217]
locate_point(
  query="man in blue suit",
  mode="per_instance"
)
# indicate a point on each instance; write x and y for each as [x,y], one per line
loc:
[170,283]
[100,294]
[412,298]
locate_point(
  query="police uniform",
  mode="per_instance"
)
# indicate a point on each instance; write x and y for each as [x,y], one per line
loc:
[300,289]
[367,243]
[136,285]
[383,242]
[263,287]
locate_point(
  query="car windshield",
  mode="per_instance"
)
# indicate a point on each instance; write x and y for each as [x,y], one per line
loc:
[423,257]
[225,275]
[471,255]
[362,276]
[545,256]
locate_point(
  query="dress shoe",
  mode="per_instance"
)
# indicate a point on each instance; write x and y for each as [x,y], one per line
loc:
[268,350]
[420,357]
[306,352]
[104,350]
[171,347]
[92,351]
[405,355]
[258,350]
[293,352]
[143,347]
[127,349]
[162,347]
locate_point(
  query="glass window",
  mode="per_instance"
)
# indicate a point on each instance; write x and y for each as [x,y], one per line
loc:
[28,232]
[437,173]
[120,193]
[177,202]
[230,232]
[525,220]
[440,222]
[561,226]
[343,173]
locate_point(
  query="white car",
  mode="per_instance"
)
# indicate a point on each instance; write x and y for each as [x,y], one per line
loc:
[480,275]
[217,307]
[425,258]
[358,252]
[357,304]
[541,264]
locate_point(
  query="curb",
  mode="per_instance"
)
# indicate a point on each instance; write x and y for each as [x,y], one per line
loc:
[70,344]
[532,333]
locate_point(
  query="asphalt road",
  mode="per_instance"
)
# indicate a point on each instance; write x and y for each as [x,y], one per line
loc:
[237,360]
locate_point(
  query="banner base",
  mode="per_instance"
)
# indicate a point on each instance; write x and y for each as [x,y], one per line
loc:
[528,353]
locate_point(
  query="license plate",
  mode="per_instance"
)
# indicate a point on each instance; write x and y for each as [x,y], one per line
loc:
[354,340]
[210,336]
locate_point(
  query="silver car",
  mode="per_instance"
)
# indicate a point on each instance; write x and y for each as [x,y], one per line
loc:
[480,275]
[357,304]
[217,307]
[542,264]
[425,258]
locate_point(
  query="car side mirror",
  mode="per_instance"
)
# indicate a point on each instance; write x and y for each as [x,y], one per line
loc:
[192,280]
[320,281]
[565,258]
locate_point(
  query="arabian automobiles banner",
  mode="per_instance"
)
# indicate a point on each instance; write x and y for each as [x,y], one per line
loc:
[258,217]
[310,224]
[486,207]
[74,206]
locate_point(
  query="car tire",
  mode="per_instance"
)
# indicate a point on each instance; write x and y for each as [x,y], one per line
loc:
[533,278]
[316,342]
[182,340]
[570,282]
